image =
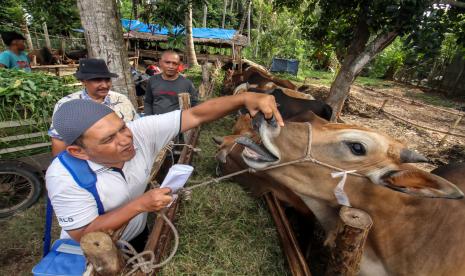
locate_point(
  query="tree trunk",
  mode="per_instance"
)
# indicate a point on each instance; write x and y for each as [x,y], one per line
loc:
[249,11]
[224,13]
[104,40]
[257,40]
[27,35]
[205,13]
[190,49]
[244,18]
[47,38]
[231,6]
[358,55]
[135,10]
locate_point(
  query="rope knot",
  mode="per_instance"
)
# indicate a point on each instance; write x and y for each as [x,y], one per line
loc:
[251,170]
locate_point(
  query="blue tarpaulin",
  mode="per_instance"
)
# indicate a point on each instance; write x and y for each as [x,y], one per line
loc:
[214,33]
[285,65]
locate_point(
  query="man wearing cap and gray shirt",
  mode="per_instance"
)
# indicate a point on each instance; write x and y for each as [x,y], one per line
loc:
[121,155]
[96,79]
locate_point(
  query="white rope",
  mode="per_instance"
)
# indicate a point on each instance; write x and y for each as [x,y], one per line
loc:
[138,261]
[339,193]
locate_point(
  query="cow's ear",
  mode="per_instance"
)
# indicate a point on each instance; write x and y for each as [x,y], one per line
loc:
[420,183]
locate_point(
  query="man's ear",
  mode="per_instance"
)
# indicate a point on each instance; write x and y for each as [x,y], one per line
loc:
[420,183]
[77,152]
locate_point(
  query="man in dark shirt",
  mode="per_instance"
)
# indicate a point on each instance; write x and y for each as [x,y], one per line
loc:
[163,89]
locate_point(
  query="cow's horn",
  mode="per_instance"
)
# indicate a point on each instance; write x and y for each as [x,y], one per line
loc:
[410,156]
[218,140]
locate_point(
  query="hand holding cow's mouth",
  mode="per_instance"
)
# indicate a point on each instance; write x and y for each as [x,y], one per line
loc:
[266,154]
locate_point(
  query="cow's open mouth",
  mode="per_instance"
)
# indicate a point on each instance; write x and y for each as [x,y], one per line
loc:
[257,155]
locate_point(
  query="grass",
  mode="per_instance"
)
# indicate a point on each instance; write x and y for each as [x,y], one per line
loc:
[432,99]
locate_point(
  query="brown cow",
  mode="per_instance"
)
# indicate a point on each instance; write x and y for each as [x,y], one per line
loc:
[413,234]
[252,75]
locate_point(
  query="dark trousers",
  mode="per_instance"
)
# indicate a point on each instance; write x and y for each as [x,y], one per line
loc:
[139,242]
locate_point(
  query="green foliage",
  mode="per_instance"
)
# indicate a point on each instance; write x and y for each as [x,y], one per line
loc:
[388,61]
[60,16]
[10,11]
[25,96]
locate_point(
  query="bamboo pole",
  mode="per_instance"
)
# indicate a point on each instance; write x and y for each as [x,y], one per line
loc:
[352,231]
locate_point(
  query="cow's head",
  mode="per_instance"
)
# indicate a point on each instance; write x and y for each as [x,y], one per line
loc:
[380,159]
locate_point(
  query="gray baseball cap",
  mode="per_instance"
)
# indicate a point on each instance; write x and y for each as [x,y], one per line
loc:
[73,118]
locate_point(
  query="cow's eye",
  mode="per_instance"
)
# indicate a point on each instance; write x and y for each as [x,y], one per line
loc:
[356,148]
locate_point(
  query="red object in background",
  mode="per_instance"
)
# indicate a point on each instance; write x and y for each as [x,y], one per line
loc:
[181,67]
[152,70]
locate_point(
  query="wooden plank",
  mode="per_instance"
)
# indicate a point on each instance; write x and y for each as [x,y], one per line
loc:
[28,147]
[296,260]
[25,122]
[45,67]
[22,136]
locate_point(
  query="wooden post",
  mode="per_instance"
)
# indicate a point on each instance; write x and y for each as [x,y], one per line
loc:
[47,38]
[37,40]
[102,253]
[27,35]
[204,86]
[451,128]
[185,103]
[382,106]
[352,231]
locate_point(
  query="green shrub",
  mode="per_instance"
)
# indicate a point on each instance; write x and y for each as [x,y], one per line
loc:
[29,96]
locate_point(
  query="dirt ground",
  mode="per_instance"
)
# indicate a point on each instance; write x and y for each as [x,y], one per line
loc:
[362,109]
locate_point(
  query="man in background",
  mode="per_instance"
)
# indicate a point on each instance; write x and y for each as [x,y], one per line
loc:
[96,79]
[14,57]
[163,89]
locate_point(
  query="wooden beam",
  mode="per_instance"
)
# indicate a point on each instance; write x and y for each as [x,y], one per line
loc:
[22,136]
[26,122]
[296,260]
[22,148]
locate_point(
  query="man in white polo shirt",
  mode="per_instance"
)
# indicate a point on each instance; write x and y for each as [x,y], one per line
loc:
[121,155]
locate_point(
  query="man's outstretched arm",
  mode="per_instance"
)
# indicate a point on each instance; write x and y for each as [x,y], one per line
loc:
[222,106]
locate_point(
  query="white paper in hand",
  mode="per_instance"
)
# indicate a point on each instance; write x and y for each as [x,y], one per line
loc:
[177,177]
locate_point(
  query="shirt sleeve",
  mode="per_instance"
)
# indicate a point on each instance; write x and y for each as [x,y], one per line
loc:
[148,101]
[5,59]
[52,131]
[155,131]
[74,207]
[125,109]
